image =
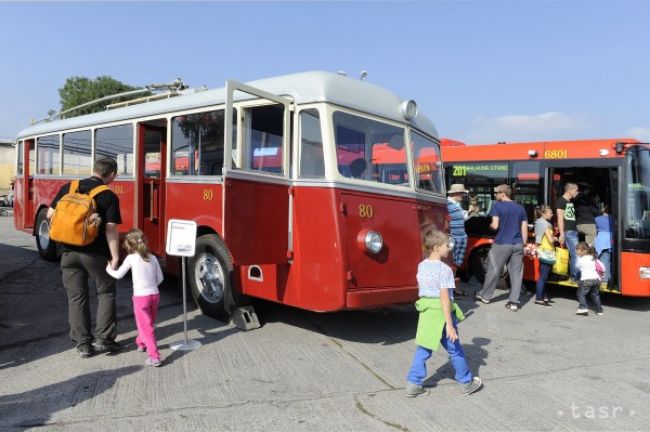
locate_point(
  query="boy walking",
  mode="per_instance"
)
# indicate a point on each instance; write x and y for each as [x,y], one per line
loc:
[439,316]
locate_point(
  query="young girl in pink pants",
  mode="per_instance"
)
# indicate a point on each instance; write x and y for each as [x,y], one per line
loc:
[146,275]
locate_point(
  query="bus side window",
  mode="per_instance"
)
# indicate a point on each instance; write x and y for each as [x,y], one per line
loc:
[19,150]
[526,188]
[77,153]
[263,133]
[312,161]
[197,143]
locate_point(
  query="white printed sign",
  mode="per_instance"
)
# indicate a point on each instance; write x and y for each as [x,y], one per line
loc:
[181,238]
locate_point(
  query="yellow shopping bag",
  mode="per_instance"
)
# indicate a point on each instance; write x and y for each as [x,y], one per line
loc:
[561,265]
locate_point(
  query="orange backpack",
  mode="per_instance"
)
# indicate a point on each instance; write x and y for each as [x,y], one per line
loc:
[71,222]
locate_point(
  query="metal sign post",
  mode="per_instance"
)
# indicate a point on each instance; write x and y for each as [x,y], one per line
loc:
[181,241]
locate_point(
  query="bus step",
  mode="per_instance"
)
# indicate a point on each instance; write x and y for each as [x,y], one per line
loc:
[245,318]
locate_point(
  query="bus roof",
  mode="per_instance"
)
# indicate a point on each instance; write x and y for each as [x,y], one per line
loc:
[304,87]
[575,149]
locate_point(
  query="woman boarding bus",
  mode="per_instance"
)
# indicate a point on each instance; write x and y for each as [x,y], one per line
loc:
[267,170]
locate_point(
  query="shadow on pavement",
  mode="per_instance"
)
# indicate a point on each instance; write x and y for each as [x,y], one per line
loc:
[632,304]
[34,312]
[476,356]
[35,407]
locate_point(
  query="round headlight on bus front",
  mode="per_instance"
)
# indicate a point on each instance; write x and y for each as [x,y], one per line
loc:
[409,109]
[374,242]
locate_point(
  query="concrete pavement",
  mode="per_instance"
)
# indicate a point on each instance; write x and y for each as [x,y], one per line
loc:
[543,368]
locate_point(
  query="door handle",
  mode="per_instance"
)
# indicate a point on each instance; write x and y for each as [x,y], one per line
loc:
[153,213]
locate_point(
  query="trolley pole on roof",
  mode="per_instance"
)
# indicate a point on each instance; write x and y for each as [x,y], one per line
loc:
[172,88]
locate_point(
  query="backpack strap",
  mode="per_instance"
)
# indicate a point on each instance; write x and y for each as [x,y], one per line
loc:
[74,186]
[97,190]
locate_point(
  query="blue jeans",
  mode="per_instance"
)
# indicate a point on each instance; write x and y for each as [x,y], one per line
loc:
[606,258]
[571,241]
[418,371]
[591,288]
[544,270]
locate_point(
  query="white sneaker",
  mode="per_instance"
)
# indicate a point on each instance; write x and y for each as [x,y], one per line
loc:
[584,312]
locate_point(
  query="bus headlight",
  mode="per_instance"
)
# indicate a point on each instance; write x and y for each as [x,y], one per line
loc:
[644,272]
[409,109]
[374,242]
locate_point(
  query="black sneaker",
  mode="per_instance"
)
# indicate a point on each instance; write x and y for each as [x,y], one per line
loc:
[85,350]
[512,306]
[107,345]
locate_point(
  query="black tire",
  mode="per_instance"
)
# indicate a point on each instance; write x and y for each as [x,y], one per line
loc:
[47,248]
[479,263]
[210,273]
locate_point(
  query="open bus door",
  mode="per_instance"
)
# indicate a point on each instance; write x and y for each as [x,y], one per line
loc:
[150,205]
[257,204]
[28,186]
[603,179]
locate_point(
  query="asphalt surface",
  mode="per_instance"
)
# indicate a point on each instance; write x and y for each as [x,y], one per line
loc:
[543,368]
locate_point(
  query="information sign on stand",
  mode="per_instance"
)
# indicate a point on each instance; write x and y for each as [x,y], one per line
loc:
[181,241]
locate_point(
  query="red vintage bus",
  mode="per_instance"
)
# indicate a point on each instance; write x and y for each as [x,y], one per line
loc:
[265,171]
[617,169]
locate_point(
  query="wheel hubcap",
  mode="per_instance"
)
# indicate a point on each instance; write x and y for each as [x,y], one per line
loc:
[209,277]
[44,234]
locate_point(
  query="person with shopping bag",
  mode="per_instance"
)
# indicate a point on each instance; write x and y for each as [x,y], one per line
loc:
[545,251]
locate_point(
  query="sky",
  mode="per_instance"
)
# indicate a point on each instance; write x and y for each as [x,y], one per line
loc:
[482,71]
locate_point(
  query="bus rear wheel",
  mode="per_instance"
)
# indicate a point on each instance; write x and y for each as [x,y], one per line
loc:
[47,248]
[210,278]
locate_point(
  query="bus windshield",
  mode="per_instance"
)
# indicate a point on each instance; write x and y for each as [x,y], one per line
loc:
[428,165]
[638,193]
[370,150]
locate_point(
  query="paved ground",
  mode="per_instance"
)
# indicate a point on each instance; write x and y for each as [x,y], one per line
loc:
[543,369]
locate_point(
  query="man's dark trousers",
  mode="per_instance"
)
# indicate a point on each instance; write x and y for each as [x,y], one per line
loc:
[77,267]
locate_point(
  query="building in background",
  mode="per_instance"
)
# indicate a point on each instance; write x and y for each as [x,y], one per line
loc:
[7,161]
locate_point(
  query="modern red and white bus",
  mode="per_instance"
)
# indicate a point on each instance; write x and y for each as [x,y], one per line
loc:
[617,169]
[264,169]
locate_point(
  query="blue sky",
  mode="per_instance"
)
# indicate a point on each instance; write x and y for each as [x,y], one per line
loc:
[483,71]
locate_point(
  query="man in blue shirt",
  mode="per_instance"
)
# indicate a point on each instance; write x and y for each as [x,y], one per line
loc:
[510,222]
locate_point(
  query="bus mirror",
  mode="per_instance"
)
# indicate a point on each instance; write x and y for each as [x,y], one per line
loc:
[619,146]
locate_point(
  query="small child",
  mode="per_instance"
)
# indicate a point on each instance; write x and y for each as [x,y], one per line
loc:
[146,275]
[589,279]
[437,323]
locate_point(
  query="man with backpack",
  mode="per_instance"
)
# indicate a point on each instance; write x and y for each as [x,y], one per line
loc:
[86,227]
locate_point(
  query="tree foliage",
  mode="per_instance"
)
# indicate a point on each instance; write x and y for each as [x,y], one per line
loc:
[79,90]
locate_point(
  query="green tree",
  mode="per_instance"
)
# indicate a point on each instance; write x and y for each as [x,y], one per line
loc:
[79,90]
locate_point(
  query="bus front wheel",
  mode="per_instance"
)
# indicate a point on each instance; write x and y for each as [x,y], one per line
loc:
[479,262]
[47,247]
[210,278]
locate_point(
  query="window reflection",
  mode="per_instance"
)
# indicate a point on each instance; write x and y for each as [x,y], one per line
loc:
[370,150]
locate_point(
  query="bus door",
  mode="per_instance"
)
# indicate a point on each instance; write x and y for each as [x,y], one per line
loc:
[150,205]
[257,207]
[28,186]
[594,178]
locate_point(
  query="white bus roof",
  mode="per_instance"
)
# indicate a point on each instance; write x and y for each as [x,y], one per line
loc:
[305,87]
